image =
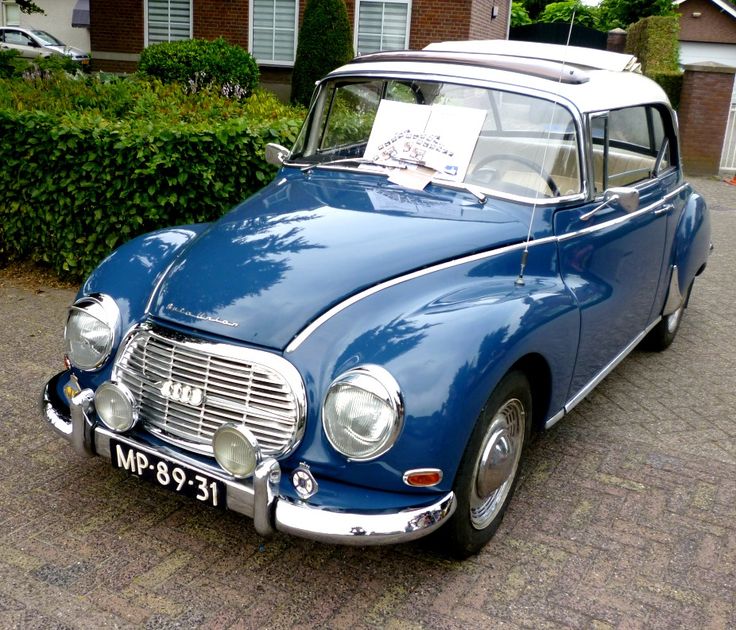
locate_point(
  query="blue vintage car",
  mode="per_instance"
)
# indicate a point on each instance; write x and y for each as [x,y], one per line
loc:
[461,244]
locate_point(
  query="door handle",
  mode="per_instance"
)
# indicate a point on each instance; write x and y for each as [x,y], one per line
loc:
[664,209]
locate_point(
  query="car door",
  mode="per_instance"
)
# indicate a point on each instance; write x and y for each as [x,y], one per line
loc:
[611,258]
[18,40]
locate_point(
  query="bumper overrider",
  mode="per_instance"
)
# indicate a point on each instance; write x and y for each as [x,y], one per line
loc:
[257,497]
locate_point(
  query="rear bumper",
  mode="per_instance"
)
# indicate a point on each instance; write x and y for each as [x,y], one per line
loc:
[257,497]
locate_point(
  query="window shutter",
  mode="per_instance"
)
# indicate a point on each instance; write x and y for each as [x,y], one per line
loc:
[273,30]
[382,26]
[169,20]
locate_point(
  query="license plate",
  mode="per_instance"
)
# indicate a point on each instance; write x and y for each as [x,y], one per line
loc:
[167,474]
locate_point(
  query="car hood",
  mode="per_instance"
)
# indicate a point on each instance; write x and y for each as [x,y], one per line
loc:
[279,260]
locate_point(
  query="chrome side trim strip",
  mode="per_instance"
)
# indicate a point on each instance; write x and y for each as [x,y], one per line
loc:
[306,332]
[577,398]
[555,419]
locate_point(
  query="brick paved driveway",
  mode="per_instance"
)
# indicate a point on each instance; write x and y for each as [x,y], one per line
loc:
[625,517]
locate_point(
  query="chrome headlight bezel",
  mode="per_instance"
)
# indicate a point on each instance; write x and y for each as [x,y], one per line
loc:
[377,382]
[102,308]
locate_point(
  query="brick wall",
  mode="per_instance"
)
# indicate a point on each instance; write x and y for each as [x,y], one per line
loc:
[703,114]
[482,23]
[226,18]
[116,34]
[117,29]
[712,26]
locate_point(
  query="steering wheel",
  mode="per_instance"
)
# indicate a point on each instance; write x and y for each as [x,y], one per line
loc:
[529,164]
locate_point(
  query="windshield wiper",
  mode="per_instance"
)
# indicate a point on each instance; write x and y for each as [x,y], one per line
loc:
[355,160]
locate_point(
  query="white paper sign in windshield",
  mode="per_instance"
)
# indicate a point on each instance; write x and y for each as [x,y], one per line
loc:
[441,137]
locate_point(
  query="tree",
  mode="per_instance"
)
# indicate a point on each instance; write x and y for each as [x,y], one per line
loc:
[325,42]
[621,13]
[519,15]
[29,6]
[564,11]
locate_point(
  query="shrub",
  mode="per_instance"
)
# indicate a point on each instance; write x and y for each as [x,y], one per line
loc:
[88,165]
[325,42]
[198,62]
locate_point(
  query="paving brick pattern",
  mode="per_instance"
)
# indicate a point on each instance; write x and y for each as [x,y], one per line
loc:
[625,516]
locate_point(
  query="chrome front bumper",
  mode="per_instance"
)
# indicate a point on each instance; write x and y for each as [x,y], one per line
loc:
[258,497]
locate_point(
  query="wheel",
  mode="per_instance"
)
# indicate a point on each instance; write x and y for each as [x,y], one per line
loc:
[663,334]
[488,471]
[530,164]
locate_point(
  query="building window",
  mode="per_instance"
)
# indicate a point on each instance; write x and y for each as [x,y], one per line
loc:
[273,30]
[11,14]
[382,25]
[168,20]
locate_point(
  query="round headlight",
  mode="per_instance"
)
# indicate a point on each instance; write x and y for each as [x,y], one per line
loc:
[115,406]
[236,450]
[363,412]
[90,331]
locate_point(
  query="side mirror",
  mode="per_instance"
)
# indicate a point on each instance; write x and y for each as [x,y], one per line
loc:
[276,154]
[625,197]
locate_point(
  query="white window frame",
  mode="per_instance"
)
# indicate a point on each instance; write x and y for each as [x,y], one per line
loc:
[145,22]
[273,62]
[408,4]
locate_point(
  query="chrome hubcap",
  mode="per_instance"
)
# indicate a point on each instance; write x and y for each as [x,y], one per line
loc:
[497,463]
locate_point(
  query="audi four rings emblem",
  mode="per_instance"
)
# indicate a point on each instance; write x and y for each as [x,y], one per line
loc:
[185,394]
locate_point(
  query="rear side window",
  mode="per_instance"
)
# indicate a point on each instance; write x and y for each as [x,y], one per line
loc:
[631,145]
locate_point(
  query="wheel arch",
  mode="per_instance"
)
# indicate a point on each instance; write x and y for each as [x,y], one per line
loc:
[537,371]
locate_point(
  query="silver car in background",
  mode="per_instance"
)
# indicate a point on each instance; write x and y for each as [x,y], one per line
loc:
[31,43]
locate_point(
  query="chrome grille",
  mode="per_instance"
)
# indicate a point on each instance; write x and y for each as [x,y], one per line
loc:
[259,389]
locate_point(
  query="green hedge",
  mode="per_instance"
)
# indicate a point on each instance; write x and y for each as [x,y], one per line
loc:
[654,42]
[88,165]
[671,83]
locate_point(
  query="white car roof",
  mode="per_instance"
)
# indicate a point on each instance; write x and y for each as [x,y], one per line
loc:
[587,87]
[575,55]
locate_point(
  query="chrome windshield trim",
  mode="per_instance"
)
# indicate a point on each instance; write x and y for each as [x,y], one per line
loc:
[302,336]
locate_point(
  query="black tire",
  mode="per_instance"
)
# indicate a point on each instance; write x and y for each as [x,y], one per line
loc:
[663,334]
[482,499]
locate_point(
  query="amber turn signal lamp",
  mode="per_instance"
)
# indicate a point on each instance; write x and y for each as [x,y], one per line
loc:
[423,478]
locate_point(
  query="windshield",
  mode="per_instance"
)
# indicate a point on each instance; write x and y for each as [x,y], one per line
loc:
[47,39]
[497,140]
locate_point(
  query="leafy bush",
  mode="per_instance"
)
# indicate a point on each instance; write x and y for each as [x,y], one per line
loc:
[9,63]
[621,13]
[519,15]
[198,62]
[564,11]
[325,42]
[87,165]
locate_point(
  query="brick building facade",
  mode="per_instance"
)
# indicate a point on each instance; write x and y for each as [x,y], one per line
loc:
[120,30]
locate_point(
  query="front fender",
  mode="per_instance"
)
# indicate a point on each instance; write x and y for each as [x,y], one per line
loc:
[129,275]
[447,348]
